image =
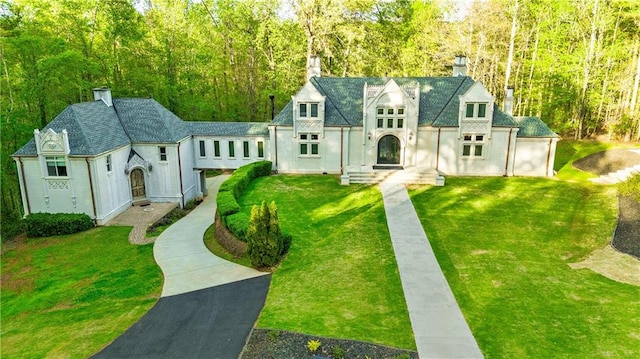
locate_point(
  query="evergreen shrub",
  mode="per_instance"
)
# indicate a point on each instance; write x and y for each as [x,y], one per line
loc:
[53,224]
[237,224]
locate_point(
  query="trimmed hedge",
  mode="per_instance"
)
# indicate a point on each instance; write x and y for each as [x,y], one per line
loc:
[53,224]
[229,192]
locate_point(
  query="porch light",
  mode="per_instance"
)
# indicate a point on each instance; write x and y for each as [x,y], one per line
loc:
[369,135]
[410,135]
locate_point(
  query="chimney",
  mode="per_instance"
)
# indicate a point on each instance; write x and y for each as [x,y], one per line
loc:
[508,101]
[460,66]
[103,93]
[313,70]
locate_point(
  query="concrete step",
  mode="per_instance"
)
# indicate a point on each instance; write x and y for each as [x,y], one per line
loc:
[411,176]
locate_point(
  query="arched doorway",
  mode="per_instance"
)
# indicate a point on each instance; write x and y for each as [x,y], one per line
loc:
[389,150]
[137,185]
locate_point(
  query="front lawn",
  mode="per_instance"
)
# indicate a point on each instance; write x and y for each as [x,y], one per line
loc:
[69,296]
[340,278]
[505,245]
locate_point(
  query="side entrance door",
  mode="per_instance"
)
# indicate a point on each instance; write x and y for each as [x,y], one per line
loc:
[137,184]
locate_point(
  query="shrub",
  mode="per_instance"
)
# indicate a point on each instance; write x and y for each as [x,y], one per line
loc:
[313,345]
[237,224]
[227,205]
[338,352]
[286,242]
[264,240]
[51,224]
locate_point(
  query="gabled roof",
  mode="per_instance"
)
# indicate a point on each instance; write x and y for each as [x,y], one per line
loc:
[93,128]
[533,127]
[439,103]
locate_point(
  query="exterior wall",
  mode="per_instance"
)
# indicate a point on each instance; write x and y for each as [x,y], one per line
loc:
[188,180]
[111,188]
[290,160]
[224,161]
[162,182]
[534,156]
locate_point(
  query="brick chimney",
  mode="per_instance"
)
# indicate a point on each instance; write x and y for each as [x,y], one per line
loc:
[103,93]
[460,66]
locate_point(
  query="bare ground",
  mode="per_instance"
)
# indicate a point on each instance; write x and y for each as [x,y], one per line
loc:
[613,265]
[141,217]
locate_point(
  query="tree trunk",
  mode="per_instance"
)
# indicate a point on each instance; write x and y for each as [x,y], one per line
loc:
[514,25]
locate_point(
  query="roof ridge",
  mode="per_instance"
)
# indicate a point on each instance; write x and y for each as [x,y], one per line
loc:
[332,103]
[450,99]
[78,124]
[124,128]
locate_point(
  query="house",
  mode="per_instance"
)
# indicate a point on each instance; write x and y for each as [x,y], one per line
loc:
[101,157]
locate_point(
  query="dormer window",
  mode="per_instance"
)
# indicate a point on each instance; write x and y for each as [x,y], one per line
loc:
[308,110]
[476,110]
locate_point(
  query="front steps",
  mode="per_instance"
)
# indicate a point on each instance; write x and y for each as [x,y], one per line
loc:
[411,175]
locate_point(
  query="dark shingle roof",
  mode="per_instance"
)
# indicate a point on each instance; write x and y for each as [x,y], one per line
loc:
[229,128]
[533,127]
[146,121]
[93,128]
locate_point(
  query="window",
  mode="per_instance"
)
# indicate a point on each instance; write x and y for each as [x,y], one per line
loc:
[216,148]
[245,149]
[308,110]
[309,144]
[260,149]
[232,149]
[163,153]
[108,163]
[472,146]
[476,110]
[56,166]
[390,117]
[203,152]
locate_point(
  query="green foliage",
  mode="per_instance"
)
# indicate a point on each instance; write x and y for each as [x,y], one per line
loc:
[51,224]
[287,238]
[313,345]
[264,239]
[238,223]
[337,352]
[273,335]
[631,187]
[226,204]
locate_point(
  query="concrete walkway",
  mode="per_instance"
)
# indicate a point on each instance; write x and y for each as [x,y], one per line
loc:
[186,263]
[438,325]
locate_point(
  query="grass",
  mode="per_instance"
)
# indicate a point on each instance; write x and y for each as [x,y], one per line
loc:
[214,247]
[69,296]
[569,151]
[340,278]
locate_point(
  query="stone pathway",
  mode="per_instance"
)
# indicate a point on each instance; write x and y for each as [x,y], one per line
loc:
[186,262]
[141,218]
[439,327]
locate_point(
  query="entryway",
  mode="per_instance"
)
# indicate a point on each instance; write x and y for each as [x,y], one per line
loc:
[389,150]
[138,192]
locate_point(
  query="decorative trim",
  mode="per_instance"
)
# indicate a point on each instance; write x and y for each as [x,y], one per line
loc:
[58,184]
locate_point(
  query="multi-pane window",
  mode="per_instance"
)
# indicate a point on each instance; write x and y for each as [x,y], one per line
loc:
[260,149]
[309,144]
[476,110]
[203,151]
[216,148]
[109,163]
[232,149]
[309,110]
[163,153]
[472,145]
[245,149]
[56,166]
[390,117]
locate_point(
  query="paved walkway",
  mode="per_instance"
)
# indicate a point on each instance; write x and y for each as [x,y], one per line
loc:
[185,261]
[438,325]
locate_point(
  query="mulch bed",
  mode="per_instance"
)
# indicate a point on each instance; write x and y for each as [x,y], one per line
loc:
[626,237]
[274,344]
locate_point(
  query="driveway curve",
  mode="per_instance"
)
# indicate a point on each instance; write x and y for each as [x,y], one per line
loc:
[185,261]
[208,305]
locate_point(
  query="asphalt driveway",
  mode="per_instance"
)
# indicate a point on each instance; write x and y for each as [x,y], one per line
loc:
[209,323]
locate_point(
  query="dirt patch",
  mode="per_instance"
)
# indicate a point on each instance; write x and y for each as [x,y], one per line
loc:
[613,265]
[275,344]
[626,238]
[602,163]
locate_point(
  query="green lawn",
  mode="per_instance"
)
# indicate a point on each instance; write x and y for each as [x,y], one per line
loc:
[340,278]
[69,296]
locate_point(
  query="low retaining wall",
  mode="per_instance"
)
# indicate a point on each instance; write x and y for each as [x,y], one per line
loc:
[227,240]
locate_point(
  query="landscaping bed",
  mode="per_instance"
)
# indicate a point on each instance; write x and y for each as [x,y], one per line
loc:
[601,163]
[275,344]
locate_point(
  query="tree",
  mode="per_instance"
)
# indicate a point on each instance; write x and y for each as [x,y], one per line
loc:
[264,238]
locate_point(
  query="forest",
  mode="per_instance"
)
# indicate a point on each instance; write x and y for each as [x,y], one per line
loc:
[573,63]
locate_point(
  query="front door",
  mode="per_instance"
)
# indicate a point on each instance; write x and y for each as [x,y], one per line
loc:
[389,150]
[137,184]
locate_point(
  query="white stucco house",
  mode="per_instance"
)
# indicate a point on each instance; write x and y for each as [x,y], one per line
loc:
[101,157]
